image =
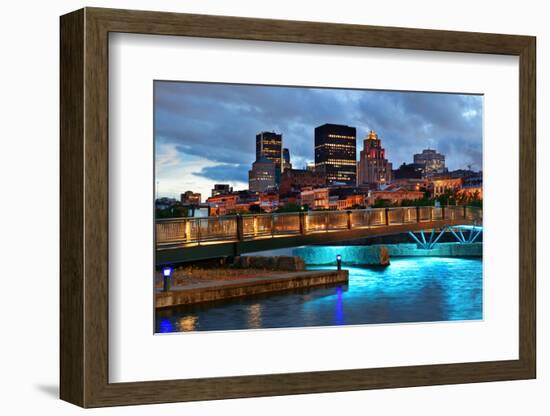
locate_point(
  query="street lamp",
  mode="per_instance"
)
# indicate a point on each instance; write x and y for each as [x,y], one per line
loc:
[167,278]
[339,262]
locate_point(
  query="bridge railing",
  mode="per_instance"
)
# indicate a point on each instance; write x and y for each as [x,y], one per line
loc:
[372,217]
[438,213]
[195,230]
[248,227]
[265,225]
[326,221]
[424,214]
[403,215]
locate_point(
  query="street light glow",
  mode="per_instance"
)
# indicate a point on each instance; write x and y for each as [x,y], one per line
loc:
[167,271]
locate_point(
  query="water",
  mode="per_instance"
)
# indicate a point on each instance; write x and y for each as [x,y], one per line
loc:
[413,289]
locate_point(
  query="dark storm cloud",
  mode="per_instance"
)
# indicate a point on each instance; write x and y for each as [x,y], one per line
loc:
[225,173]
[410,122]
[219,122]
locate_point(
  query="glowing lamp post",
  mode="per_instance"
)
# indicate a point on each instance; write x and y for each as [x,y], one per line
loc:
[167,276]
[339,262]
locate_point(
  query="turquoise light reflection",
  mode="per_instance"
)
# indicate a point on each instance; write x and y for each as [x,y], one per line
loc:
[410,289]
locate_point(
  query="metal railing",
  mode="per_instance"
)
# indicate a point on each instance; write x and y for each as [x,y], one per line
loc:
[195,230]
[265,225]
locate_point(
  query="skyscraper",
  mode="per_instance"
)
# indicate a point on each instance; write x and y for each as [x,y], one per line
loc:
[270,146]
[373,167]
[262,175]
[335,153]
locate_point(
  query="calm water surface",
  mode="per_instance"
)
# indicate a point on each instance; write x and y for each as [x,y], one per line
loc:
[419,289]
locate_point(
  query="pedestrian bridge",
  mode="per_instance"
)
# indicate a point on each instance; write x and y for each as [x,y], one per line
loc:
[181,240]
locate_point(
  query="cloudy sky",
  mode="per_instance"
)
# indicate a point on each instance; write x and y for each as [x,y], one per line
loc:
[205,133]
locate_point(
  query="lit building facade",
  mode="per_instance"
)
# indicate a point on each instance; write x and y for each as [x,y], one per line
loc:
[411,184]
[296,179]
[347,202]
[396,195]
[190,198]
[335,153]
[317,198]
[433,162]
[373,167]
[269,201]
[222,204]
[443,185]
[262,176]
[289,198]
[472,188]
[269,145]
[221,189]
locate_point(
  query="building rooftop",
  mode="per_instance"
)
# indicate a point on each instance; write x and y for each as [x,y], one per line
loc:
[372,136]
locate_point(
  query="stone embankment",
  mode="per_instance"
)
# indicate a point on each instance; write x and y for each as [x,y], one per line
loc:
[259,275]
[380,255]
[358,255]
[222,290]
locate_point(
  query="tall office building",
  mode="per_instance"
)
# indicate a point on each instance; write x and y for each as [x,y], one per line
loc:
[262,175]
[373,167]
[270,146]
[433,162]
[335,153]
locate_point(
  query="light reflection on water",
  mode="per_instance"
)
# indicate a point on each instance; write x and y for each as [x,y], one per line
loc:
[419,289]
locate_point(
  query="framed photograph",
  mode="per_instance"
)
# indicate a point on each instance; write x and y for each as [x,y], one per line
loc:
[255,207]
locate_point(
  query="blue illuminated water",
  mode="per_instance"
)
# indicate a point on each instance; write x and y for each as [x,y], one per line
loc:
[411,289]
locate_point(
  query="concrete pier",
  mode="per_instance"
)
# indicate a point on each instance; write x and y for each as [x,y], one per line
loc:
[220,290]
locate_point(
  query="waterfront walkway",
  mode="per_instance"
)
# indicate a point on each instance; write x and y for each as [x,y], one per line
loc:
[221,290]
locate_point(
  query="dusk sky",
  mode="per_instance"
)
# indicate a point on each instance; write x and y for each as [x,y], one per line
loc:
[205,133]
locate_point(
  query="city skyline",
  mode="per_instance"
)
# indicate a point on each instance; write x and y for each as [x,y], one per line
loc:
[206,133]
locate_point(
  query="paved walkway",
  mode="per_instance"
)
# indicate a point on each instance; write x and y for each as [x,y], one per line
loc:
[227,289]
[249,280]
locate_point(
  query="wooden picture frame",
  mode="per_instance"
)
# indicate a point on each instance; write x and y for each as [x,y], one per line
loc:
[84,207]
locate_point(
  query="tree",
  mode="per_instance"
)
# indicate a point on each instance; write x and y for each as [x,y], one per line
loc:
[290,207]
[176,211]
[425,201]
[383,203]
[475,200]
[408,202]
[255,209]
[448,198]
